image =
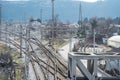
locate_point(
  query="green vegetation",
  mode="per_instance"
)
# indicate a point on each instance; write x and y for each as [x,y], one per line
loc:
[60,44]
[2,48]
[18,63]
[3,77]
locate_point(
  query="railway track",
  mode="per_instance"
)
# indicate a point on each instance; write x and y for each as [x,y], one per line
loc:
[55,67]
[52,66]
[35,70]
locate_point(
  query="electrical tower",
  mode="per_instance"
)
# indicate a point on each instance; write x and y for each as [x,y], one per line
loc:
[82,28]
[80,20]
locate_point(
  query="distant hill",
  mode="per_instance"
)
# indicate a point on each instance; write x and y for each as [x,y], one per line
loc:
[67,10]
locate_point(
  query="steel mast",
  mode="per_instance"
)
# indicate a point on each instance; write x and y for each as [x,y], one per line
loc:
[0,17]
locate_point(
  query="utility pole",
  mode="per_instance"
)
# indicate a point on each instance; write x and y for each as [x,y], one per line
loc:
[53,21]
[0,12]
[13,31]
[0,18]
[27,50]
[80,13]
[82,29]
[6,34]
[53,36]
[80,20]
[53,11]
[20,41]
[40,29]
[94,25]
[41,15]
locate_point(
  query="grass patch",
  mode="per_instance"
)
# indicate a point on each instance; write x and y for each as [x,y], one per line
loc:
[3,77]
[60,44]
[18,63]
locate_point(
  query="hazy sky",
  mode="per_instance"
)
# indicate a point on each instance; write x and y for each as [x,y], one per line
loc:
[68,10]
[15,0]
[57,0]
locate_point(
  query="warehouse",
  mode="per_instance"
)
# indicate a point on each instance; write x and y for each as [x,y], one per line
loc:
[114,41]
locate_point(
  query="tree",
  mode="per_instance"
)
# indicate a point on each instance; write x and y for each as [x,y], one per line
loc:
[81,29]
[31,19]
[39,20]
[85,20]
[93,24]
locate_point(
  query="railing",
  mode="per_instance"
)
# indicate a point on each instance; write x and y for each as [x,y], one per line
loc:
[93,67]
